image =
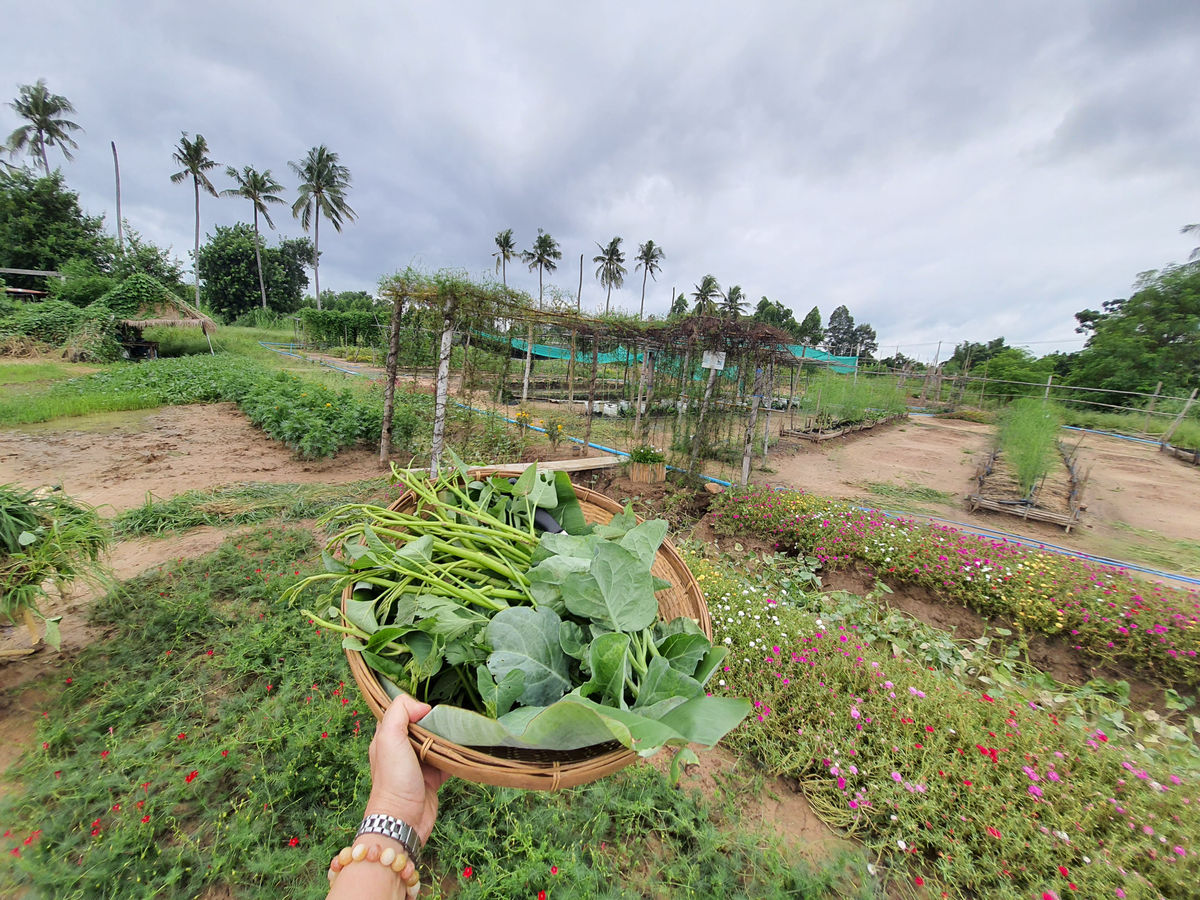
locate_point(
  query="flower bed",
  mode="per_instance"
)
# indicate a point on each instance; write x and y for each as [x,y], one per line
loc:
[1102,611]
[952,788]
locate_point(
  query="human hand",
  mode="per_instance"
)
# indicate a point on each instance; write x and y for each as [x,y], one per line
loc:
[401,786]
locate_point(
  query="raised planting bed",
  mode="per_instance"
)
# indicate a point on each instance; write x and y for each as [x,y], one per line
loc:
[1188,456]
[1056,498]
[815,431]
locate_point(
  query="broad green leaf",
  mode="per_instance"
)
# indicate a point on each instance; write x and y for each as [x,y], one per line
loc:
[393,634]
[661,708]
[572,641]
[615,592]
[609,662]
[361,614]
[705,720]
[524,483]
[684,651]
[333,564]
[621,523]
[564,725]
[646,736]
[386,666]
[568,512]
[683,758]
[560,543]
[499,697]
[446,617]
[644,540]
[381,551]
[678,625]
[25,538]
[709,663]
[527,639]
[662,682]
[547,577]
[53,635]
[543,493]
[350,642]
[661,584]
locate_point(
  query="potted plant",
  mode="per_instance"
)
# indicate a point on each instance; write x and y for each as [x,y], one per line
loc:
[647,465]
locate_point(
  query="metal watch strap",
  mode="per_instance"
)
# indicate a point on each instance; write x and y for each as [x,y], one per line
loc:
[389,826]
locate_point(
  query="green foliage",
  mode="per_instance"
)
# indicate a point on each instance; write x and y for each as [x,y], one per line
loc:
[844,338]
[1154,335]
[646,454]
[52,321]
[136,293]
[43,227]
[84,283]
[144,257]
[1015,372]
[838,400]
[1028,440]
[229,271]
[44,537]
[326,327]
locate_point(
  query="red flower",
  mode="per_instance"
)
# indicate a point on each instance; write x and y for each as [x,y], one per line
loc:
[145,819]
[1062,870]
[989,699]
[554,870]
[468,872]
[918,881]
[104,754]
[994,832]
[541,895]
[224,752]
[182,736]
[294,842]
[191,776]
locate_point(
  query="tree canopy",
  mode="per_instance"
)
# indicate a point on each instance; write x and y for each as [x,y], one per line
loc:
[230,276]
[45,126]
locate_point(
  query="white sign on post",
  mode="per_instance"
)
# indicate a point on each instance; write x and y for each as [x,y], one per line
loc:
[713,359]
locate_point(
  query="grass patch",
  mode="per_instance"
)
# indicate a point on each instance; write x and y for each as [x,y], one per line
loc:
[1102,612]
[31,372]
[246,504]
[218,744]
[910,493]
[977,792]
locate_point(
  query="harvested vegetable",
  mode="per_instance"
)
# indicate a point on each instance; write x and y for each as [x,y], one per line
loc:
[523,625]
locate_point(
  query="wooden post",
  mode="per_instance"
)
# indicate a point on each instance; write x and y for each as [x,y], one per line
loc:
[1179,418]
[685,377]
[443,378]
[528,362]
[755,403]
[389,386]
[983,384]
[637,409]
[571,371]
[653,358]
[1049,381]
[708,388]
[1150,409]
[770,406]
[591,404]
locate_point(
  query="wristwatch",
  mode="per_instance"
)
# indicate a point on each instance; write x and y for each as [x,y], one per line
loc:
[389,826]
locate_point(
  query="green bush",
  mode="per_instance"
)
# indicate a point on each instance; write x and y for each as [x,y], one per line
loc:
[1028,439]
[52,321]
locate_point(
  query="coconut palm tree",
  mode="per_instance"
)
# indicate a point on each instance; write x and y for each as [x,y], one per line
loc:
[734,303]
[260,188]
[544,257]
[323,186]
[47,127]
[649,258]
[611,269]
[1192,229]
[705,296]
[193,157]
[505,251]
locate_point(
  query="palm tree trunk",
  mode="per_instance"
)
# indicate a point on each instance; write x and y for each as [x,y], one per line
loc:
[389,385]
[642,310]
[196,258]
[443,379]
[262,285]
[42,148]
[317,253]
[607,297]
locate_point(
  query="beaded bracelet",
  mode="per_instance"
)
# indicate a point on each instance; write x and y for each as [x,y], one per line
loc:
[396,860]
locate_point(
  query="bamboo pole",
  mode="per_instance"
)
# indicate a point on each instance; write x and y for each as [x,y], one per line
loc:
[389,386]
[1150,409]
[755,403]
[443,379]
[1179,418]
[708,389]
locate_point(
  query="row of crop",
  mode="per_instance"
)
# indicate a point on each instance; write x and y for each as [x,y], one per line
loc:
[311,419]
[973,792]
[1028,440]
[1102,612]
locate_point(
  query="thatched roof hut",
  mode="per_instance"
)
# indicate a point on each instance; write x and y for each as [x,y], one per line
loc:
[143,302]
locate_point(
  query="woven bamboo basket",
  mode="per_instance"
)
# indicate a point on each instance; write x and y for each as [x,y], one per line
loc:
[545,770]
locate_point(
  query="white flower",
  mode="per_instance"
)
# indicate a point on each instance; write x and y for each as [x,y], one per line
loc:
[902,845]
[721,682]
[728,640]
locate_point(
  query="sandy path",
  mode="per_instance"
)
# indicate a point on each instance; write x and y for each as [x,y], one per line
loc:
[115,459]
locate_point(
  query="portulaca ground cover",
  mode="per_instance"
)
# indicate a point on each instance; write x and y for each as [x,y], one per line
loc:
[1102,612]
[964,791]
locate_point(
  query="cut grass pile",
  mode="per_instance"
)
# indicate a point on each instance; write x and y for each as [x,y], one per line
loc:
[912,495]
[245,504]
[1101,612]
[216,746]
[976,791]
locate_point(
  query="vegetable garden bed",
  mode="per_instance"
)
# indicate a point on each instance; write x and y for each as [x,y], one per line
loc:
[816,432]
[1056,499]
[1189,456]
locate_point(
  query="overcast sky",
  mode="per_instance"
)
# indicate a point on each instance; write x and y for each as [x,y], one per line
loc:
[948,170]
